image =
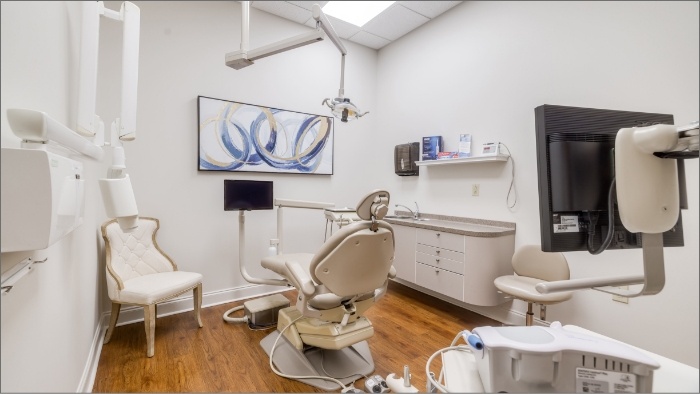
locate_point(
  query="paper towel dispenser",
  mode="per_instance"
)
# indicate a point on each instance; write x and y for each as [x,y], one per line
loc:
[42,198]
[405,157]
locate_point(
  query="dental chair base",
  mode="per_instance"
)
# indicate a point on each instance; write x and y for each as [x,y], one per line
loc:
[311,347]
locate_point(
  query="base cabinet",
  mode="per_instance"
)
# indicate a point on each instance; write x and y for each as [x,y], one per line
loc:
[440,280]
[458,266]
[405,252]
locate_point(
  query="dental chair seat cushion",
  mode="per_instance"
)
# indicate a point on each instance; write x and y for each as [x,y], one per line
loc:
[523,288]
[150,289]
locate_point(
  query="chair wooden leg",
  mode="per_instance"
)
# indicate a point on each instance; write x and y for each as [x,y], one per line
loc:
[149,313]
[529,316]
[197,292]
[116,307]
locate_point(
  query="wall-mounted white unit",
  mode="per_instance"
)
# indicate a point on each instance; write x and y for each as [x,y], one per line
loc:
[42,198]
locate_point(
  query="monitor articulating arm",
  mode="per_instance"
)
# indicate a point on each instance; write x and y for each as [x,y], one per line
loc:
[648,201]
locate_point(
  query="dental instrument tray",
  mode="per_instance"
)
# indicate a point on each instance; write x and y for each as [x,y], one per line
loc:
[554,359]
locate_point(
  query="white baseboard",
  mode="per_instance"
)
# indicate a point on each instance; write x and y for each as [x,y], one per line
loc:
[180,304]
[90,370]
[184,303]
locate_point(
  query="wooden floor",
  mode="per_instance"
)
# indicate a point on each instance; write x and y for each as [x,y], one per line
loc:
[222,357]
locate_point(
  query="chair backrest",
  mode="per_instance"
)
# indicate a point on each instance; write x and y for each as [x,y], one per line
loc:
[357,259]
[134,254]
[531,261]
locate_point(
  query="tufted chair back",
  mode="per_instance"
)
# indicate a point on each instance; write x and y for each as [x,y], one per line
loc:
[131,255]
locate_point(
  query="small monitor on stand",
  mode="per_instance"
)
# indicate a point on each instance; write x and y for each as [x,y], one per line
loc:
[244,195]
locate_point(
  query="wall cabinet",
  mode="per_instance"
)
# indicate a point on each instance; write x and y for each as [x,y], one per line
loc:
[459,266]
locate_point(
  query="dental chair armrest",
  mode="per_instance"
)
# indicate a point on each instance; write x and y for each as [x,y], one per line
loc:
[392,272]
[301,277]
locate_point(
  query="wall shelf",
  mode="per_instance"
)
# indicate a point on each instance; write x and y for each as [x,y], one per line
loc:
[465,160]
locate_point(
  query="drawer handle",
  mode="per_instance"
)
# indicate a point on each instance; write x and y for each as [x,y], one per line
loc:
[437,260]
[438,234]
[437,271]
[437,251]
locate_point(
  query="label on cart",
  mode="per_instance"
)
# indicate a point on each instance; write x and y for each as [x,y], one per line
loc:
[597,381]
[565,223]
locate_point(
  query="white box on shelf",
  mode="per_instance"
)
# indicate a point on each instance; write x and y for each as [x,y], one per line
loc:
[489,149]
[465,145]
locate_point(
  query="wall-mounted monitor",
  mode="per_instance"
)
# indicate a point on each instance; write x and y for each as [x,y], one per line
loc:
[245,195]
[575,168]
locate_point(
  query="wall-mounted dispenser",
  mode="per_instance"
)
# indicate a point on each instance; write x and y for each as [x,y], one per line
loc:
[405,157]
[42,198]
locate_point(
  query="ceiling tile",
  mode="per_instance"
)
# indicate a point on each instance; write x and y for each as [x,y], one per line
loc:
[307,4]
[396,21]
[393,23]
[369,40]
[283,9]
[429,9]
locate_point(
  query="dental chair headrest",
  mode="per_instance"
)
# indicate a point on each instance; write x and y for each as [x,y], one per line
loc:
[375,204]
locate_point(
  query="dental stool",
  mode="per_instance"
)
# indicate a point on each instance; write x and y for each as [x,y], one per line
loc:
[325,333]
[532,266]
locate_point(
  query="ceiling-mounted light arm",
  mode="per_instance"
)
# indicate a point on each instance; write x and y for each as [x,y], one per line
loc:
[245,57]
[341,107]
[341,91]
[327,27]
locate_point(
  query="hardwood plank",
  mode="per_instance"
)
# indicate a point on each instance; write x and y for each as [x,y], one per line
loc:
[221,357]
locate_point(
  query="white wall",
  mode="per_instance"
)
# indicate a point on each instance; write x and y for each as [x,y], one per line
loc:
[483,67]
[49,319]
[183,46]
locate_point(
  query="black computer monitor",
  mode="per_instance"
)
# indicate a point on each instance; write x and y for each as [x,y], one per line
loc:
[575,167]
[244,195]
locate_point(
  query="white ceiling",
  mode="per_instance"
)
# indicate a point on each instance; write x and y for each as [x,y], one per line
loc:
[399,19]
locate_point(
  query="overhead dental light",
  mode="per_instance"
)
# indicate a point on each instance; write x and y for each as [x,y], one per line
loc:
[341,106]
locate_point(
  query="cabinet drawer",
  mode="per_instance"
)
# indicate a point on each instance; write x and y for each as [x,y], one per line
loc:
[440,262]
[440,239]
[440,252]
[439,280]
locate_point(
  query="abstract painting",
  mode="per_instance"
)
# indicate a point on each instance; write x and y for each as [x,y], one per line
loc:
[236,136]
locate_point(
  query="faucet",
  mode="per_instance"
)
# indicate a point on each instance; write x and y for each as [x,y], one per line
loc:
[415,214]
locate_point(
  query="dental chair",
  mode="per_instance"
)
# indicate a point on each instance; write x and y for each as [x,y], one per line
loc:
[325,334]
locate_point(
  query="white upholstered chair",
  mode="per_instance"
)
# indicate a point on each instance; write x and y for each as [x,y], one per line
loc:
[533,266]
[140,273]
[326,331]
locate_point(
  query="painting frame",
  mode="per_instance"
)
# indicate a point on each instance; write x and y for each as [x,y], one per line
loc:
[234,136]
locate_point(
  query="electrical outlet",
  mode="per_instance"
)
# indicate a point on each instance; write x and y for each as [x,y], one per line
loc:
[475,190]
[622,299]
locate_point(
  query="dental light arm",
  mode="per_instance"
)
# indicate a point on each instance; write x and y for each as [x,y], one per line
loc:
[648,201]
[341,107]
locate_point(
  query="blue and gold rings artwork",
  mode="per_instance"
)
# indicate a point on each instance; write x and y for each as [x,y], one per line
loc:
[235,136]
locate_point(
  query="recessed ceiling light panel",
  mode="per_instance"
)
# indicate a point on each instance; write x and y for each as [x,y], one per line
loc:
[356,12]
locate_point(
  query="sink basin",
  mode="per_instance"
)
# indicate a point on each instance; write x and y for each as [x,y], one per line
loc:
[406,218]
